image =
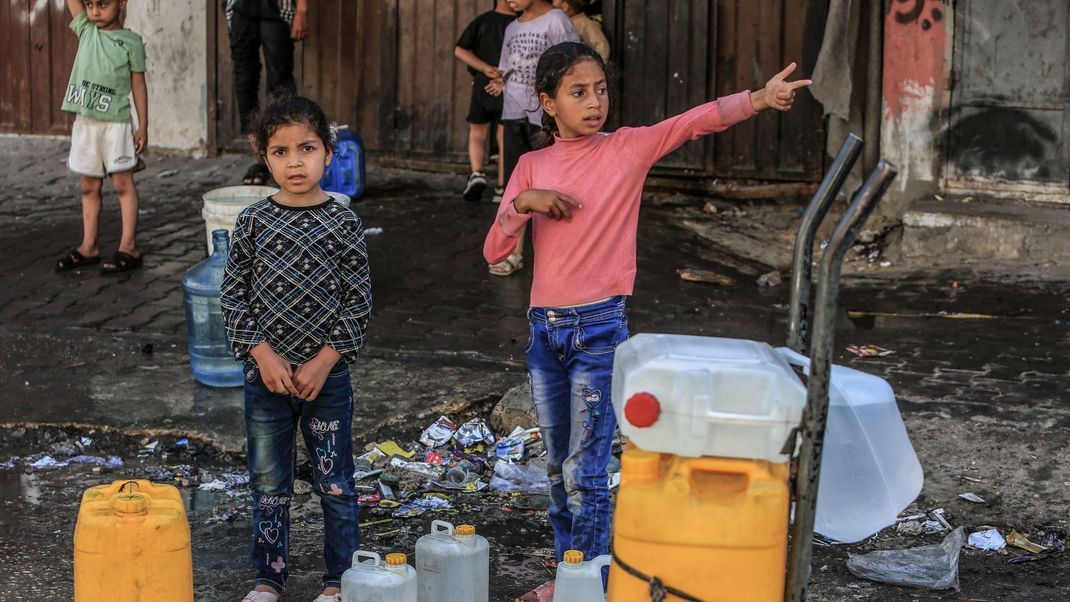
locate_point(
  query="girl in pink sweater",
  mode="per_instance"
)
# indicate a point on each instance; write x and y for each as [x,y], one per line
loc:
[581,194]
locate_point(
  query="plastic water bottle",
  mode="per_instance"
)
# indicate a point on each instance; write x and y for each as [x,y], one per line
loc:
[370,580]
[579,581]
[345,174]
[452,564]
[210,355]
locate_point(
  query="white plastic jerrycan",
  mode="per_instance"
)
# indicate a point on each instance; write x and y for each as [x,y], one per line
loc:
[452,564]
[370,580]
[706,396]
[579,581]
[869,471]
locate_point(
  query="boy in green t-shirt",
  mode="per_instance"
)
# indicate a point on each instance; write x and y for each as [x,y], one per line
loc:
[110,64]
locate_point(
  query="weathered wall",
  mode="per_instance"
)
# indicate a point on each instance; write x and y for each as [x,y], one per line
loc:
[176,70]
[917,64]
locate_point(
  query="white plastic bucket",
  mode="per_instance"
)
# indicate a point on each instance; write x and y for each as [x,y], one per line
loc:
[222,206]
[706,396]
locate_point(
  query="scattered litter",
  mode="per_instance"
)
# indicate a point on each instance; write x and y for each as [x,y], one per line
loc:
[85,442]
[934,566]
[710,208]
[474,432]
[614,480]
[216,485]
[418,507]
[972,497]
[373,231]
[695,275]
[48,462]
[63,449]
[421,468]
[886,264]
[9,464]
[167,173]
[143,211]
[110,462]
[869,351]
[987,540]
[227,516]
[1018,540]
[510,449]
[148,449]
[771,279]
[392,449]
[528,478]
[183,442]
[439,433]
[1051,543]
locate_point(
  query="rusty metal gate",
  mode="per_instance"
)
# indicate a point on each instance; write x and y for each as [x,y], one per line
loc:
[36,55]
[1009,121]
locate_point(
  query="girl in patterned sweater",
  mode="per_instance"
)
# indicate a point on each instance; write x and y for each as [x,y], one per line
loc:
[296,297]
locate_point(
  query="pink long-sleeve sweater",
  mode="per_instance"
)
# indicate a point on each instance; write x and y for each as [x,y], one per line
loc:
[593,256]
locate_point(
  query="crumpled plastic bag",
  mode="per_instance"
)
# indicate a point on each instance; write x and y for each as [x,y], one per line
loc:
[528,478]
[934,566]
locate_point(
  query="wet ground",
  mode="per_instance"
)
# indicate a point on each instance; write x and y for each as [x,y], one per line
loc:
[980,370]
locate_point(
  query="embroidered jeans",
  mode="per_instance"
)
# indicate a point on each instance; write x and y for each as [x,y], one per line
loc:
[326,424]
[570,361]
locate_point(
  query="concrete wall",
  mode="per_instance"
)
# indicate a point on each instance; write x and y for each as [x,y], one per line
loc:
[175,34]
[916,97]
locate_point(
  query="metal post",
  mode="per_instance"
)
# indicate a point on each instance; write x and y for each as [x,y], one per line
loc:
[817,388]
[798,315]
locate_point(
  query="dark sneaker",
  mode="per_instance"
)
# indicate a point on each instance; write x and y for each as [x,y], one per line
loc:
[477,183]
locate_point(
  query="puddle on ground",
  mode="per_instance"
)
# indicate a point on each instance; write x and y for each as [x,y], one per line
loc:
[17,485]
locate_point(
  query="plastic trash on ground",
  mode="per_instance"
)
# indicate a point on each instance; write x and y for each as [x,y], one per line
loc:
[933,566]
[510,449]
[474,432]
[528,478]
[439,433]
[989,539]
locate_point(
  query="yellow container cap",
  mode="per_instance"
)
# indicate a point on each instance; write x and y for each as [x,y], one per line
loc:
[396,559]
[130,503]
[465,530]
[573,556]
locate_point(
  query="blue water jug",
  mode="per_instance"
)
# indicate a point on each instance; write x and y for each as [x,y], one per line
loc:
[210,355]
[345,174]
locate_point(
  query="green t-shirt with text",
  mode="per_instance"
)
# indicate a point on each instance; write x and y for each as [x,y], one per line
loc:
[100,79]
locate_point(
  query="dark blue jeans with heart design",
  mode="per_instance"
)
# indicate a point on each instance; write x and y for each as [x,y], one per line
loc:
[570,362]
[326,424]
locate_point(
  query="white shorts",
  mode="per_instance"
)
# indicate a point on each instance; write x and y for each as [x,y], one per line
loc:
[100,148]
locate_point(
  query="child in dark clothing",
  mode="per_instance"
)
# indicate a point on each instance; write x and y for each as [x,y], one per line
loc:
[296,297]
[480,47]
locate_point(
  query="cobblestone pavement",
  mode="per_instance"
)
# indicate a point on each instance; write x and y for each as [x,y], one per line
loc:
[980,367]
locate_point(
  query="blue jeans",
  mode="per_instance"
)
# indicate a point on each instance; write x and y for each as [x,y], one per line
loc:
[570,361]
[326,424]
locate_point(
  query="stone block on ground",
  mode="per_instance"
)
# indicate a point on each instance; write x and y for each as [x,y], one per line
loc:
[515,409]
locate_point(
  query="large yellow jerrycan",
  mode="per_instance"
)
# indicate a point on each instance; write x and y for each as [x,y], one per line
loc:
[132,544]
[713,528]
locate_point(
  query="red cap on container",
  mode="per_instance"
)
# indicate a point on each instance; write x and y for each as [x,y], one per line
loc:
[642,409]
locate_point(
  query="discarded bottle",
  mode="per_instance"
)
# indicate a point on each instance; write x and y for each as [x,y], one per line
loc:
[579,581]
[132,542]
[371,580]
[452,564]
[210,355]
[345,174]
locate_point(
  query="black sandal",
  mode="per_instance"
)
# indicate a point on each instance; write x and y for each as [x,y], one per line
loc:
[257,175]
[122,261]
[75,260]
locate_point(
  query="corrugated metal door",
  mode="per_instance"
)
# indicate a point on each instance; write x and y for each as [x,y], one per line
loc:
[37,51]
[1010,94]
[675,54]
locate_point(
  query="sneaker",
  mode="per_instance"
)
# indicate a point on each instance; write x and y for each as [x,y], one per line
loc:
[477,183]
[498,192]
[255,596]
[326,598]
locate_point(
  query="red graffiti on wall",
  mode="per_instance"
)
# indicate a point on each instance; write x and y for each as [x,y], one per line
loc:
[915,45]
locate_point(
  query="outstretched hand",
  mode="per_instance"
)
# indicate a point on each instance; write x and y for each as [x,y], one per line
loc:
[777,93]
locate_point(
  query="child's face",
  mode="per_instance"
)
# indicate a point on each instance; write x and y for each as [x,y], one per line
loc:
[104,13]
[297,157]
[582,100]
[520,5]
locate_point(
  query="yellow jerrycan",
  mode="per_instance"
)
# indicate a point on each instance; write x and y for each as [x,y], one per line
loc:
[715,529]
[132,544]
